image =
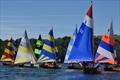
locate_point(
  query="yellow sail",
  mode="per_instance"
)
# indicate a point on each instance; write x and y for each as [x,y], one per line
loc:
[25,51]
[8,52]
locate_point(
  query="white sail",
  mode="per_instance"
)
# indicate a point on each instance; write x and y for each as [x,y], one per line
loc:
[25,51]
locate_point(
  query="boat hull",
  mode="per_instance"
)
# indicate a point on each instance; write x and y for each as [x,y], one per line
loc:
[50,66]
[91,71]
[112,69]
[74,66]
[10,64]
[28,65]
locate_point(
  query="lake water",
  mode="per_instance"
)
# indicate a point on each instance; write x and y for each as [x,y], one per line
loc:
[14,73]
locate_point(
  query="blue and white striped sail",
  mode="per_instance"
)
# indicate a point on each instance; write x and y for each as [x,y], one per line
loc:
[48,52]
[82,49]
[71,44]
[106,49]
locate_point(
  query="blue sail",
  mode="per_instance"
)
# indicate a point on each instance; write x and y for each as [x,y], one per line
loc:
[58,56]
[71,44]
[48,52]
[82,49]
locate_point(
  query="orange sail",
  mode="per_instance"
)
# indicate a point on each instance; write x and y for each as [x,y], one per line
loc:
[106,49]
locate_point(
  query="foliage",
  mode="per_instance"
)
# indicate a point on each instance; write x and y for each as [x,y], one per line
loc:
[62,44]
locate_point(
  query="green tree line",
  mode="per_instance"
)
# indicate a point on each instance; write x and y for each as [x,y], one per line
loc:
[62,44]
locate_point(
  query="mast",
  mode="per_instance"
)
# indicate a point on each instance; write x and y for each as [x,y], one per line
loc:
[93,29]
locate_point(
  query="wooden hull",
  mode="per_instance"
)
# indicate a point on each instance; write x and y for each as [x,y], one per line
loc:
[112,69]
[50,66]
[91,71]
[74,66]
[27,66]
[8,64]
[116,68]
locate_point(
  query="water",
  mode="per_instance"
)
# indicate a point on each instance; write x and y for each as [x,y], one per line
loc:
[13,73]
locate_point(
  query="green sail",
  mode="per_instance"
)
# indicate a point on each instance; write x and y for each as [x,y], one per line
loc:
[38,47]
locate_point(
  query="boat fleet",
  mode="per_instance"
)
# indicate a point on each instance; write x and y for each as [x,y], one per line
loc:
[80,52]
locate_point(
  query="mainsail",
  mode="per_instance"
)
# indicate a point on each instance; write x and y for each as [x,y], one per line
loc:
[15,47]
[25,51]
[48,52]
[38,47]
[83,46]
[71,44]
[106,52]
[7,55]
[58,56]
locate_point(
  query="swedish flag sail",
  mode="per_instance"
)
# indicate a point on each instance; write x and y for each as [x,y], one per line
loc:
[8,52]
[25,51]
[83,46]
[48,52]
[38,47]
[71,44]
[106,51]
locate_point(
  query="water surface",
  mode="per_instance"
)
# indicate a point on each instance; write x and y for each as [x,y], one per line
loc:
[15,73]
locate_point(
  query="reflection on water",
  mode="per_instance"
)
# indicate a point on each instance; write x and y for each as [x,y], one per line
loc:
[9,73]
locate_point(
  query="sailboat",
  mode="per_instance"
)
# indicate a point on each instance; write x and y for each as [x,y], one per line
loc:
[106,51]
[82,50]
[7,56]
[38,47]
[48,53]
[73,64]
[25,56]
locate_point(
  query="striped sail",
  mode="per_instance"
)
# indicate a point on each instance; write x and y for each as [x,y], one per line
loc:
[15,47]
[48,52]
[71,44]
[105,51]
[38,47]
[8,52]
[25,51]
[83,45]
[58,56]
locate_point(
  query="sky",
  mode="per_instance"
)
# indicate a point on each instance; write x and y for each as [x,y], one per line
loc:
[39,16]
